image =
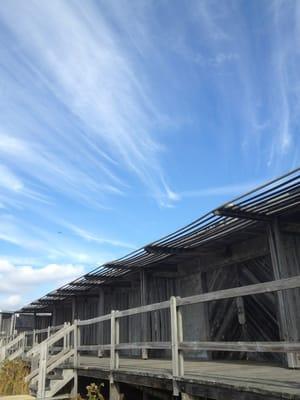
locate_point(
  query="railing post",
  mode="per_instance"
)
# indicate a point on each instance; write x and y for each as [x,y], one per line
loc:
[33,338]
[65,339]
[180,340]
[117,358]
[176,338]
[42,371]
[114,339]
[76,356]
[23,343]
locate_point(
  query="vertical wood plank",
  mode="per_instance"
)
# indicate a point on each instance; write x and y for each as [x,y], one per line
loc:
[74,308]
[144,317]
[54,316]
[76,363]
[174,340]
[280,271]
[42,371]
[180,339]
[112,340]
[100,311]
[117,338]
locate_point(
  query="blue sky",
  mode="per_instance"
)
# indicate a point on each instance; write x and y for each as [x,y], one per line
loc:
[123,120]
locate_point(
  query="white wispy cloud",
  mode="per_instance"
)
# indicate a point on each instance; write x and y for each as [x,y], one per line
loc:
[18,282]
[49,245]
[230,190]
[255,88]
[76,57]
[93,237]
[8,180]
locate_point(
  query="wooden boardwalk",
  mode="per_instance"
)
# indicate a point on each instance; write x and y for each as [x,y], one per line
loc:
[214,378]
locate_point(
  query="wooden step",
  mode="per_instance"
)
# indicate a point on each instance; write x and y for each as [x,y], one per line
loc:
[55,377]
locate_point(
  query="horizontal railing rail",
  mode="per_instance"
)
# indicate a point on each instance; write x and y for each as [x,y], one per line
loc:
[177,345]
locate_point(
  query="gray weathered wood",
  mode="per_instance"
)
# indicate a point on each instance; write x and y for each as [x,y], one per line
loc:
[143,289]
[279,347]
[284,305]
[258,288]
[101,311]
[113,340]
[94,347]
[137,310]
[94,320]
[174,343]
[180,340]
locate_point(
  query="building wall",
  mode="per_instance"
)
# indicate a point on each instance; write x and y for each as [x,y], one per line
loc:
[255,320]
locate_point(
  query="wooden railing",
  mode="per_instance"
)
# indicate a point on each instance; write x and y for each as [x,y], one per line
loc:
[177,345]
[71,334]
[13,348]
[50,354]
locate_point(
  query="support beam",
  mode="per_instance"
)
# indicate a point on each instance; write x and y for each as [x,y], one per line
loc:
[74,309]
[114,392]
[54,315]
[100,311]
[168,250]
[235,213]
[12,323]
[34,321]
[144,316]
[286,310]
[93,281]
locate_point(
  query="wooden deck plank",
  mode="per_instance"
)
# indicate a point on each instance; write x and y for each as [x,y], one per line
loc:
[240,375]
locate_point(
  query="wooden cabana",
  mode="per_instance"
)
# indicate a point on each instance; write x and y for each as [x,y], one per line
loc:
[250,240]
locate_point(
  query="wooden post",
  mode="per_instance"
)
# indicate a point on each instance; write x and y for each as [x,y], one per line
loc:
[143,289]
[23,343]
[114,391]
[76,363]
[117,336]
[33,338]
[112,341]
[1,317]
[284,307]
[12,323]
[42,371]
[74,308]
[34,321]
[54,316]
[100,307]
[180,340]
[65,339]
[174,341]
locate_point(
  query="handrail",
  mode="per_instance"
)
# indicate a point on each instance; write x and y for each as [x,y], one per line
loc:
[177,345]
[18,342]
[259,288]
[52,339]
[44,362]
